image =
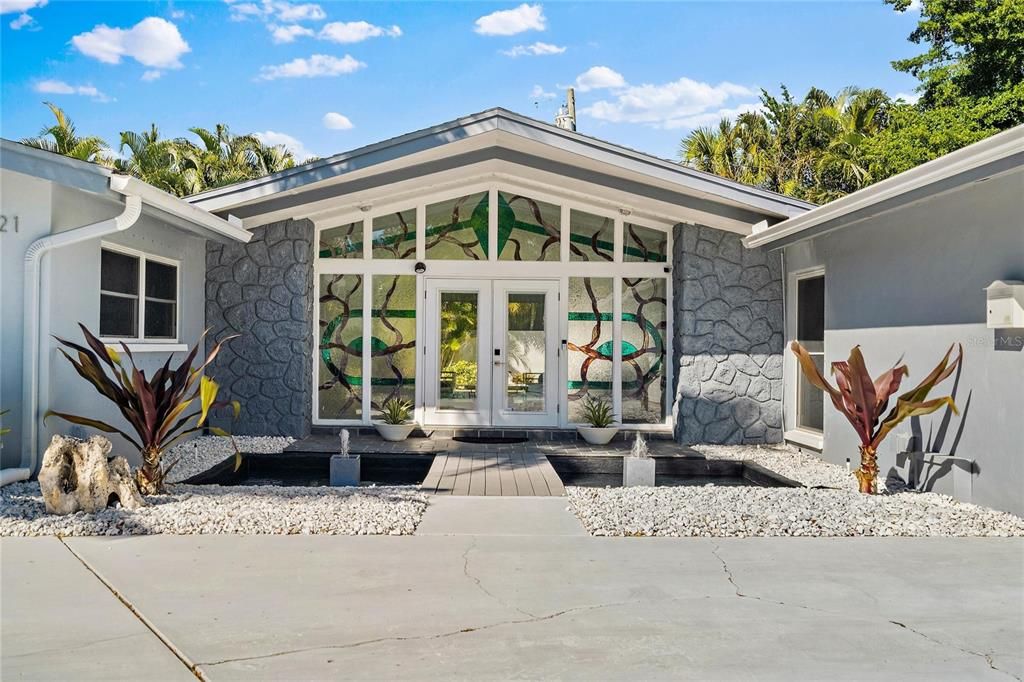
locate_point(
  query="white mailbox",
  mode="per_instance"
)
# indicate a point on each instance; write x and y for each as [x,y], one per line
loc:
[1005,304]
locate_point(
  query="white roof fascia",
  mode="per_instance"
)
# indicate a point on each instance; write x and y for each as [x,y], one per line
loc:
[992,149]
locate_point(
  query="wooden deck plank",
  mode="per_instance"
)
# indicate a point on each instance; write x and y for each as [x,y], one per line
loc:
[540,485]
[477,483]
[555,486]
[446,484]
[434,475]
[507,476]
[524,486]
[492,479]
[462,474]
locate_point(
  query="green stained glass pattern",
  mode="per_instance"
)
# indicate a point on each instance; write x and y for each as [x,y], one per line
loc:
[457,228]
[644,244]
[393,339]
[340,374]
[394,235]
[590,341]
[344,241]
[528,230]
[644,321]
[591,237]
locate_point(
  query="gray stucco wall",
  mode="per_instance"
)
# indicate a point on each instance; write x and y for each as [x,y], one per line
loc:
[909,283]
[729,318]
[263,291]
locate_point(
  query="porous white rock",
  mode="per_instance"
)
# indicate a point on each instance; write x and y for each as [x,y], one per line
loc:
[77,476]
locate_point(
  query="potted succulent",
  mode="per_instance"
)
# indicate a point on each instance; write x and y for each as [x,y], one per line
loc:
[600,419]
[395,425]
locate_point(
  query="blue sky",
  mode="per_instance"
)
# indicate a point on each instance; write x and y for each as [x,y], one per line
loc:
[332,76]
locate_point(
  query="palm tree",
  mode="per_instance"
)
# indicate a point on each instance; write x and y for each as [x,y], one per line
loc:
[848,121]
[61,138]
[152,160]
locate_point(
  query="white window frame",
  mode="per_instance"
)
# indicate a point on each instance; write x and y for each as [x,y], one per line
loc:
[141,342]
[493,269]
[791,368]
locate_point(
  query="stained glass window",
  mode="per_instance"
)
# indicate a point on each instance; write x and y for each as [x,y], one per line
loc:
[340,377]
[528,229]
[644,316]
[591,237]
[457,228]
[590,342]
[393,339]
[644,244]
[394,235]
[344,241]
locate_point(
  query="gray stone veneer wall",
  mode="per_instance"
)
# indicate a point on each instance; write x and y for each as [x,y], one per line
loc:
[263,291]
[729,321]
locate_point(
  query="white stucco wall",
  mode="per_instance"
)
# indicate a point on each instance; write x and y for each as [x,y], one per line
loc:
[75,277]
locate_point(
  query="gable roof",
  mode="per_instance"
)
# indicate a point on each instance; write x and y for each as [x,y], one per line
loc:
[1001,153]
[753,203]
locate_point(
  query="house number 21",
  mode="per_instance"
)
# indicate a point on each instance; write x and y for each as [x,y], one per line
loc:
[5,219]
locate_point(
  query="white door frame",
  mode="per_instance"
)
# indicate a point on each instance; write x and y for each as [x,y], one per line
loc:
[501,416]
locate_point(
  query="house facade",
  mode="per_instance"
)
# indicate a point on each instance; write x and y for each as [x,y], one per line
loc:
[80,244]
[495,271]
[902,269]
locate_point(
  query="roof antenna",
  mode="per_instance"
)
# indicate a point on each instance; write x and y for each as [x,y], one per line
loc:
[566,116]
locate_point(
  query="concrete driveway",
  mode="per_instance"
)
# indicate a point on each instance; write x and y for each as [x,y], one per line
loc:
[471,605]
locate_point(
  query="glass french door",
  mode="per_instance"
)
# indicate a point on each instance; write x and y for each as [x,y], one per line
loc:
[491,352]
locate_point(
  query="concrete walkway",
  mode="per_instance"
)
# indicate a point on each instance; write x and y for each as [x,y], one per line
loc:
[505,606]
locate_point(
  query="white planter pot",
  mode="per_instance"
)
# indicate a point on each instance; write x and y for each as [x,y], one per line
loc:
[394,433]
[597,436]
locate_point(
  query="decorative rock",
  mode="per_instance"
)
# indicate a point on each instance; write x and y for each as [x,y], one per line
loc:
[76,476]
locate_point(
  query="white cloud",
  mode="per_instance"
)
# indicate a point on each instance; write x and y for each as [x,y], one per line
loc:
[288,33]
[598,77]
[316,65]
[509,22]
[152,42]
[293,145]
[178,14]
[275,9]
[915,5]
[152,75]
[356,31]
[539,92]
[908,97]
[58,87]
[535,50]
[21,7]
[680,104]
[710,118]
[336,121]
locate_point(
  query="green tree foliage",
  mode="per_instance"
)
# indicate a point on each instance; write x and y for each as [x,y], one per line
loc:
[823,147]
[180,166]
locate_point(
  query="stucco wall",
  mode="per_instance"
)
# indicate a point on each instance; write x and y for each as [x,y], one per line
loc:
[29,199]
[263,291]
[728,312]
[908,284]
[75,298]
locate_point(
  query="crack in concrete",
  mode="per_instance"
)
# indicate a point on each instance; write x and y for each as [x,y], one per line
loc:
[480,585]
[412,638]
[175,651]
[739,593]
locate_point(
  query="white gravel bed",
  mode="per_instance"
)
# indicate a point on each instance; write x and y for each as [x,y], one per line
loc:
[199,454]
[835,509]
[243,510]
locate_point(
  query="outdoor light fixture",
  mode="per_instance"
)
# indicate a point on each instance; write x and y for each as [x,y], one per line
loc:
[1005,304]
[420,268]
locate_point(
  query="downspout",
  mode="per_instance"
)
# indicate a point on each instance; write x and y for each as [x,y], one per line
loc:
[37,295]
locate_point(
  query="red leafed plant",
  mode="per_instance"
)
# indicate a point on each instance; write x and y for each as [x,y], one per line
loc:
[863,401]
[154,406]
